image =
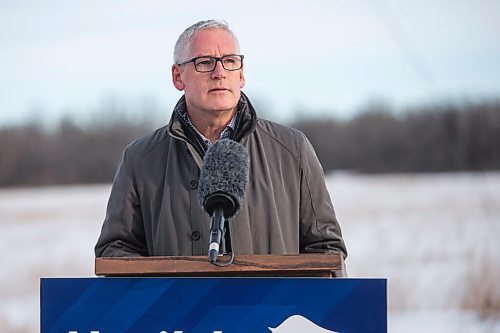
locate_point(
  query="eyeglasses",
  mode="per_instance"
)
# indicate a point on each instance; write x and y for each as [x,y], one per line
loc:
[205,64]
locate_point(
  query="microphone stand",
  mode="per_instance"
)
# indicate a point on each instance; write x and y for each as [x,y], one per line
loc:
[216,233]
[218,238]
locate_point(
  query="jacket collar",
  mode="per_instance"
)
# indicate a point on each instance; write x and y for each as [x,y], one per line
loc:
[179,129]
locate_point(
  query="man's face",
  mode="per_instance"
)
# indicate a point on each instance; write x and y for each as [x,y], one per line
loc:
[214,91]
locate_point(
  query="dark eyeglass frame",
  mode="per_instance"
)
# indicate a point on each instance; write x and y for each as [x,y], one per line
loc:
[217,59]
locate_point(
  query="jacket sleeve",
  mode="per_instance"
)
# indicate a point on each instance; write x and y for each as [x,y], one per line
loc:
[319,228]
[122,233]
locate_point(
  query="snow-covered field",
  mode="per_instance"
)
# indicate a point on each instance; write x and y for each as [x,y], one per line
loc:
[433,236]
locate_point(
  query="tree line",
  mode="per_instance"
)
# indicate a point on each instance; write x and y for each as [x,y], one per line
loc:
[67,154]
[446,137]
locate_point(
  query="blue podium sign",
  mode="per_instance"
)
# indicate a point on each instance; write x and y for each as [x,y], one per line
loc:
[208,305]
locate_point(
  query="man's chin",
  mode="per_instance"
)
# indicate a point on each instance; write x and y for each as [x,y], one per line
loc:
[221,107]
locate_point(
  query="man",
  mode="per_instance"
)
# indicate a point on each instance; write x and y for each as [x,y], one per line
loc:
[153,208]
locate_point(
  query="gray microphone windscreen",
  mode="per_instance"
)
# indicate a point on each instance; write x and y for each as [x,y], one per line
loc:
[225,170]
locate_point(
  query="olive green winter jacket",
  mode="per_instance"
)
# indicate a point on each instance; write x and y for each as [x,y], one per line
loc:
[153,208]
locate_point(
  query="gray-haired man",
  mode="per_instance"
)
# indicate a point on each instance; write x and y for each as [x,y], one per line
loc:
[153,209]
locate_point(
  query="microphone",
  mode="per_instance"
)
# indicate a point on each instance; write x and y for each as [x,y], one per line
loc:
[221,187]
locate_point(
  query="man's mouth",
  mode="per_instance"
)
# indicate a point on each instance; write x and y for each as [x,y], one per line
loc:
[217,89]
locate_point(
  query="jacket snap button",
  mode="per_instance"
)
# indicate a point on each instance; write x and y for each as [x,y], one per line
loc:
[195,235]
[193,184]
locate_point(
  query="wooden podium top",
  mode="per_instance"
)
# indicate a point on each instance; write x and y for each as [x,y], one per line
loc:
[297,265]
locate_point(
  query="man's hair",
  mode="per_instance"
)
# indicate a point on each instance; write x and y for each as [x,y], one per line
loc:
[182,45]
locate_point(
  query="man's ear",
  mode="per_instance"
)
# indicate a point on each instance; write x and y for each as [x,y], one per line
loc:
[176,77]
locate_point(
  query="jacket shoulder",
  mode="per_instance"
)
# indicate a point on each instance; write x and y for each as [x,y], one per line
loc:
[141,147]
[289,138]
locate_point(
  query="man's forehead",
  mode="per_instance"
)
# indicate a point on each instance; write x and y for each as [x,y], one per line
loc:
[208,41]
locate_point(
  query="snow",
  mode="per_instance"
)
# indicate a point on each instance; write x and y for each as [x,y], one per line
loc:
[433,236]
[44,232]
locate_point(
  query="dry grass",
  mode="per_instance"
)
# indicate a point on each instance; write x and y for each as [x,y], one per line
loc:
[483,281]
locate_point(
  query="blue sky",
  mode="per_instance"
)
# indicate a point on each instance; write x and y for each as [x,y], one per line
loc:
[331,57]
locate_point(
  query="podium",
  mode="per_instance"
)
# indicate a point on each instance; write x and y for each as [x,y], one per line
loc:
[261,293]
[296,265]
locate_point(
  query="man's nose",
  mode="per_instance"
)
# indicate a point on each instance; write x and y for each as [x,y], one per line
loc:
[219,71]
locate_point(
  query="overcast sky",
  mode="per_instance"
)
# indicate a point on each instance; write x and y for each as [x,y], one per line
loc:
[329,56]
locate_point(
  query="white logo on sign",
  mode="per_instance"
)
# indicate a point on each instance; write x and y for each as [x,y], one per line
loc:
[299,324]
